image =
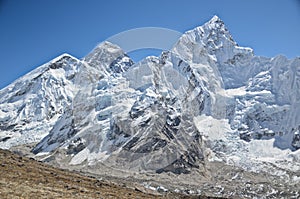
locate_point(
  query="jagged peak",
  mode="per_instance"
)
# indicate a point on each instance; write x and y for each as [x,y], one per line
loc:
[39,70]
[103,53]
[107,47]
[108,57]
[217,25]
[215,19]
[213,39]
[63,56]
[148,59]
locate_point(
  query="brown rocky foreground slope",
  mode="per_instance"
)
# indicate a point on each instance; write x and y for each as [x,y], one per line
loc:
[21,177]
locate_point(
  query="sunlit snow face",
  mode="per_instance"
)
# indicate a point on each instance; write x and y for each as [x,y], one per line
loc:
[297,80]
[282,69]
[297,71]
[283,73]
[295,74]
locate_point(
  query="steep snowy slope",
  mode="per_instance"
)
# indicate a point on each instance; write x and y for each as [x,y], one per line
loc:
[144,119]
[30,106]
[205,100]
[213,44]
[33,104]
[80,116]
[270,106]
[261,95]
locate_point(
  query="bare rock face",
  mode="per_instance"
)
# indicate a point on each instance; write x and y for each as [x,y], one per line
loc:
[296,140]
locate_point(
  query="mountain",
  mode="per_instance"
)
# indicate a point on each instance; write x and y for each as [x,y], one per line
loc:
[31,105]
[205,102]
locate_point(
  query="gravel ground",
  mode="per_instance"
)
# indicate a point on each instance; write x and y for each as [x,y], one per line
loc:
[22,177]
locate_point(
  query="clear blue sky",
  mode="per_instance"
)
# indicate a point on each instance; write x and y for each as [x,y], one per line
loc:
[33,32]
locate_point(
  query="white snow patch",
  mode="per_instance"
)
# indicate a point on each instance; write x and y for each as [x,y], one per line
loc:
[95,157]
[211,128]
[42,154]
[234,92]
[80,157]
[264,150]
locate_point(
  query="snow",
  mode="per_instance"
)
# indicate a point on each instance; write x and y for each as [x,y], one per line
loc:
[43,154]
[34,102]
[234,91]
[261,150]
[4,116]
[296,179]
[93,108]
[211,128]
[80,157]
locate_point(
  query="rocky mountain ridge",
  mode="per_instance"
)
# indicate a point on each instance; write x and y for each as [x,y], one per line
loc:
[205,100]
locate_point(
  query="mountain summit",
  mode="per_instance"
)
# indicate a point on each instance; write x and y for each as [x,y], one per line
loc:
[206,101]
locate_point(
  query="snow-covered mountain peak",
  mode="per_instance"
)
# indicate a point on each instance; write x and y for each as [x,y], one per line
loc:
[108,57]
[31,105]
[206,99]
[215,19]
[58,62]
[215,23]
[211,39]
[103,52]
[64,55]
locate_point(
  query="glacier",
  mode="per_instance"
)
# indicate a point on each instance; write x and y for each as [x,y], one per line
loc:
[206,100]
